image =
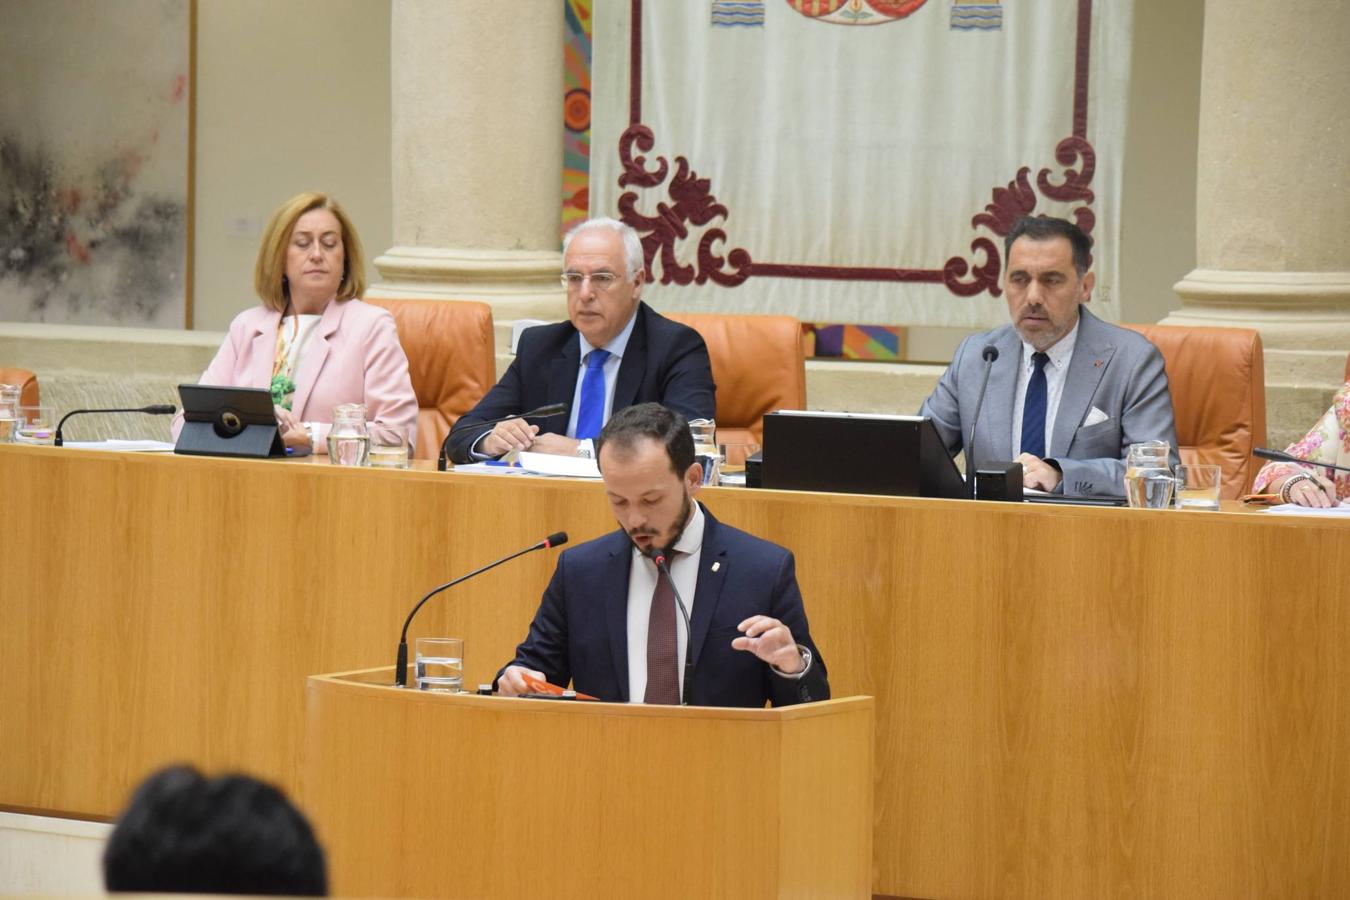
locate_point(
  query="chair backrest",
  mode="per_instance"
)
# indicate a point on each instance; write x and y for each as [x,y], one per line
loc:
[1217,377]
[27,382]
[758,366]
[451,358]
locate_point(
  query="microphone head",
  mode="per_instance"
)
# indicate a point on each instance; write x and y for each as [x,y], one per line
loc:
[556,539]
[990,353]
[655,554]
[160,409]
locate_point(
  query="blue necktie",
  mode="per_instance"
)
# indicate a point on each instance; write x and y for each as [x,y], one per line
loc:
[1033,410]
[591,415]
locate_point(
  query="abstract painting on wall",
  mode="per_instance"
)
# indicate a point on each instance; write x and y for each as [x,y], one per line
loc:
[95,139]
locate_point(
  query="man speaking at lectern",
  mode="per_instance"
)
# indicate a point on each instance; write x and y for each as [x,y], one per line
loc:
[611,625]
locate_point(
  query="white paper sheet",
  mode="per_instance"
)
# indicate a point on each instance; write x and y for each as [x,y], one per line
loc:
[564,466]
[125,446]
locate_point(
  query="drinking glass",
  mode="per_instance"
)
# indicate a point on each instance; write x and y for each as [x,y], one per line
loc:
[440,664]
[388,447]
[9,411]
[348,438]
[1148,480]
[35,425]
[704,432]
[1198,487]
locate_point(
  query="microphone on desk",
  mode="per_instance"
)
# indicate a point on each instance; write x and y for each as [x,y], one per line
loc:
[154,409]
[658,556]
[990,355]
[540,412]
[1281,456]
[557,539]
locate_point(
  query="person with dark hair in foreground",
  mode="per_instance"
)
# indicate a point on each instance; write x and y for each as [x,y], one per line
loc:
[184,833]
[609,622]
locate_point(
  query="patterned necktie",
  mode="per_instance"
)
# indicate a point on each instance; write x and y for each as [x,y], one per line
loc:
[591,414]
[663,645]
[1033,410]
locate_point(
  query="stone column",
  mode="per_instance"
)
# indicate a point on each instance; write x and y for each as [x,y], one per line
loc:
[477,130]
[1273,195]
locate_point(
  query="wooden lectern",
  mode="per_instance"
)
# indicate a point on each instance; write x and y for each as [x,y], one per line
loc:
[417,794]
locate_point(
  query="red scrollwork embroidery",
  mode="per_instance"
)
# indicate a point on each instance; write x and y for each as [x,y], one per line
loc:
[692,204]
[1019,199]
[985,274]
[1009,204]
[1076,181]
[635,168]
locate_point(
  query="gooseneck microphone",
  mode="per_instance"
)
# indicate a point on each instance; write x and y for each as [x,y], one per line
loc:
[155,409]
[541,412]
[990,355]
[557,539]
[1281,456]
[658,556]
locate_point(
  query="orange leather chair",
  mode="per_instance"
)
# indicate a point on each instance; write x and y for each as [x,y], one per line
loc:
[451,358]
[1218,381]
[26,380]
[758,366]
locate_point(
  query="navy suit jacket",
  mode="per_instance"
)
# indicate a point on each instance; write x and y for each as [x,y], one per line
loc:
[580,633]
[665,362]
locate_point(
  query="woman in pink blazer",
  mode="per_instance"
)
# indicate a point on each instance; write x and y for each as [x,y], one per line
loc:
[312,341]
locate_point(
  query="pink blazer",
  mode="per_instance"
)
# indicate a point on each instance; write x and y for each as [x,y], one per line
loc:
[352,356]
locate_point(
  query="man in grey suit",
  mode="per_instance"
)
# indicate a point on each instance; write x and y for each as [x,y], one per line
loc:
[1068,392]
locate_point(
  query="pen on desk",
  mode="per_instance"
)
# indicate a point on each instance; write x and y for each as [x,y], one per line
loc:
[498,462]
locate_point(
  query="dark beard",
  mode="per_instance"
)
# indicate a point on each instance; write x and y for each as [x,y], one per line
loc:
[686,508]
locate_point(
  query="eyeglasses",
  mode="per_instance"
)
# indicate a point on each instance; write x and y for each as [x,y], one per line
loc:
[601,281]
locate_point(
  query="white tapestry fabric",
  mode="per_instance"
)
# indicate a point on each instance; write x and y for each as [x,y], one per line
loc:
[856,160]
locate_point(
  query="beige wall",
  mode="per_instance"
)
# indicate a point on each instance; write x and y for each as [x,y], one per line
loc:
[1157,239]
[291,96]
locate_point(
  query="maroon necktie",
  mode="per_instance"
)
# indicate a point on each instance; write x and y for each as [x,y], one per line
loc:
[663,646]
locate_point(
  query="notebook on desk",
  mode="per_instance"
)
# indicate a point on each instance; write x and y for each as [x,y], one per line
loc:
[857,453]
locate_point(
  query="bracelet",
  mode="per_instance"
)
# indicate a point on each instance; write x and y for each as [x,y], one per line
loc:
[1290,482]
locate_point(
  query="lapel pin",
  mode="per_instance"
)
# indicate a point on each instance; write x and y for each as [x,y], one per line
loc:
[1097,364]
[716,566]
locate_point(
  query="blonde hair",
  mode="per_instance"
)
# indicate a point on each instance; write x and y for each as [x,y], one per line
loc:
[269,273]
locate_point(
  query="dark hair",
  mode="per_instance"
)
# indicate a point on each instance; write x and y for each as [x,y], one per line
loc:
[650,420]
[1045,228]
[187,834]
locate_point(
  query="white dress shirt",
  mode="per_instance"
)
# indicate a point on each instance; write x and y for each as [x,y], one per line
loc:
[1056,370]
[616,350]
[642,576]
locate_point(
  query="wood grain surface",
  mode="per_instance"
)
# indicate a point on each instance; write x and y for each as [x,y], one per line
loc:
[425,795]
[1070,701]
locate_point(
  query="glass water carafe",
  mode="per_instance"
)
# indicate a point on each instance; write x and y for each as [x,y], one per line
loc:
[349,438]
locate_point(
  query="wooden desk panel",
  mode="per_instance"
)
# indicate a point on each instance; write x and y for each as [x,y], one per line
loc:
[426,795]
[1070,701]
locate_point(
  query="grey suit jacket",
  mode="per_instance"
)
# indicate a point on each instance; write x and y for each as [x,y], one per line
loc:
[1114,369]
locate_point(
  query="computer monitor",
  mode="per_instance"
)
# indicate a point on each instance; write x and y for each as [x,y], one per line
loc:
[857,453]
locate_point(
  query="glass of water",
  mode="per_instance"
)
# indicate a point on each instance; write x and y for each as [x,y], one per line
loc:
[388,446]
[704,433]
[35,425]
[1148,479]
[1198,487]
[9,411]
[440,664]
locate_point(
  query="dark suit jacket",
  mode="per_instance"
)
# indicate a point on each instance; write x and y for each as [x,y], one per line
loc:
[665,362]
[580,633]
